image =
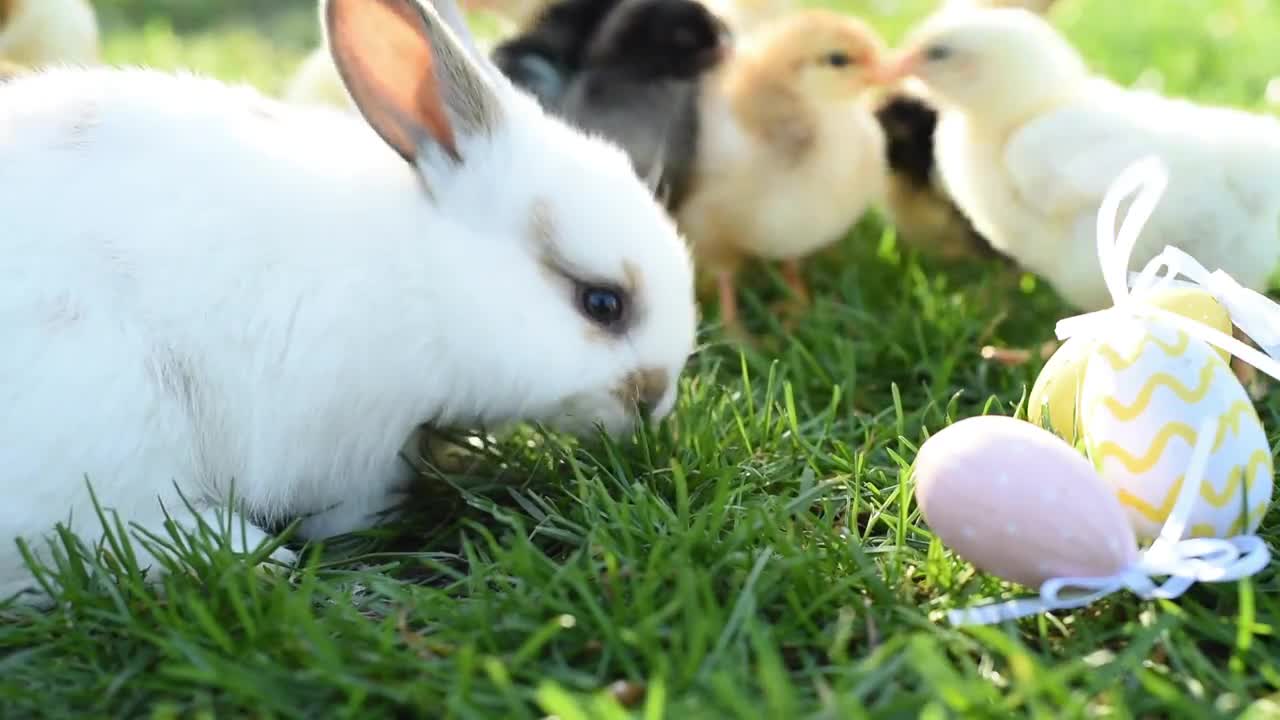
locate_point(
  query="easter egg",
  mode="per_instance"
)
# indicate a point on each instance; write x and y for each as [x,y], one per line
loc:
[1018,502]
[1194,304]
[1147,388]
[1056,390]
[1057,387]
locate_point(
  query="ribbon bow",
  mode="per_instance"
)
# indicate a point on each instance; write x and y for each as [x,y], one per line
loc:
[1254,313]
[1183,562]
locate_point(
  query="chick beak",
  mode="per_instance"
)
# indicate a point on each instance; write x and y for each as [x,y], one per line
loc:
[725,53]
[721,52]
[895,68]
[724,44]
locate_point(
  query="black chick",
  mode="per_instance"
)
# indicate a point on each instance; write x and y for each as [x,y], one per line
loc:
[909,124]
[923,214]
[639,86]
[542,58]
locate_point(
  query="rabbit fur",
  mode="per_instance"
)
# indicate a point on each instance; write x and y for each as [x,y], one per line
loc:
[203,286]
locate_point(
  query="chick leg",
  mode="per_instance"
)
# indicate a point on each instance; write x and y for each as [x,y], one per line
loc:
[729,316]
[799,299]
[1254,384]
[795,281]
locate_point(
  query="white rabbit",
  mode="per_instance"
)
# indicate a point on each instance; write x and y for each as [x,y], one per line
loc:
[200,285]
[48,32]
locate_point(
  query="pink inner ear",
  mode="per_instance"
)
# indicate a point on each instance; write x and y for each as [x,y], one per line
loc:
[390,69]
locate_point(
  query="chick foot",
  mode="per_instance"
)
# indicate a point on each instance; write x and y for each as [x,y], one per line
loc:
[730,319]
[793,307]
[794,278]
[1254,383]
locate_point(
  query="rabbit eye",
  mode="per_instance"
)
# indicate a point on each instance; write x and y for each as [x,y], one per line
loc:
[603,305]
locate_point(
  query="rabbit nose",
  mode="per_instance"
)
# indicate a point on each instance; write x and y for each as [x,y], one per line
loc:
[645,388]
[645,409]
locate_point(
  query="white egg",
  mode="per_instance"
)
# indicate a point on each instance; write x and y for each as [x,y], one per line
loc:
[1147,387]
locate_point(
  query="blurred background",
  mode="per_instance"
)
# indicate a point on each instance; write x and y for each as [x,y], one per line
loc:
[1213,50]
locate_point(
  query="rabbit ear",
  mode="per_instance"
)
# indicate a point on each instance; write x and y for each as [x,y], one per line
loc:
[411,77]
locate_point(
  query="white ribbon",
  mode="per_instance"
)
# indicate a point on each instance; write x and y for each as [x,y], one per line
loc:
[1255,314]
[1183,562]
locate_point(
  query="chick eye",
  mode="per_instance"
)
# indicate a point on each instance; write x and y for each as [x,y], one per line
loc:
[603,305]
[937,52]
[838,59]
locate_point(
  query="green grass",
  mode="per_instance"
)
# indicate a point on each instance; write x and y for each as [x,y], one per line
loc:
[758,556]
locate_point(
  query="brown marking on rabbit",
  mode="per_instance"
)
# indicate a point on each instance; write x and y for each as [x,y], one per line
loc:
[631,277]
[8,8]
[542,232]
[643,388]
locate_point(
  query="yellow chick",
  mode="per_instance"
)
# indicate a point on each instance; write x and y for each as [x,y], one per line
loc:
[789,154]
[917,202]
[48,32]
[10,69]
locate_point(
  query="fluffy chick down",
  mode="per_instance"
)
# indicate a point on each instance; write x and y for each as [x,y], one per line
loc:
[36,33]
[791,155]
[917,201]
[639,86]
[1030,140]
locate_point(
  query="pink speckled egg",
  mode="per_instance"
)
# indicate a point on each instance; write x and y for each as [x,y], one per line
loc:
[1020,503]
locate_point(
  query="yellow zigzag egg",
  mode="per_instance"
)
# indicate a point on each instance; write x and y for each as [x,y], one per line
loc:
[1054,396]
[1146,389]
